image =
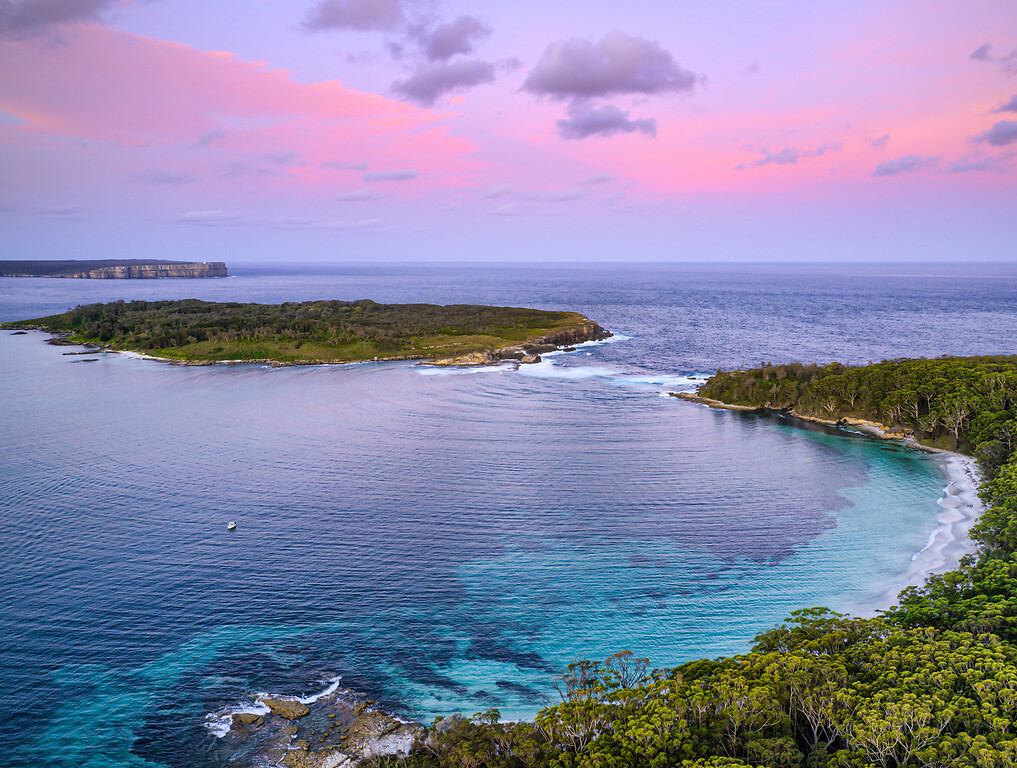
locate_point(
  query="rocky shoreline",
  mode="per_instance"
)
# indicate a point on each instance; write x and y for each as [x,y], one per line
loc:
[531,351]
[333,729]
[526,353]
[872,428]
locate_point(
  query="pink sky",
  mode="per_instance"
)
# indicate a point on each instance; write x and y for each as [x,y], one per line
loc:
[446,131]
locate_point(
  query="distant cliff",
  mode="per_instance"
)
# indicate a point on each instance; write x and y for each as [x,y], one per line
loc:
[129,269]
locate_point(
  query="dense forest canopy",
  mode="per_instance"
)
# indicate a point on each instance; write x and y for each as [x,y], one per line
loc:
[960,403]
[931,683]
[302,331]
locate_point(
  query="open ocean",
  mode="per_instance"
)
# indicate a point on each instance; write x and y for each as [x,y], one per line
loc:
[444,540]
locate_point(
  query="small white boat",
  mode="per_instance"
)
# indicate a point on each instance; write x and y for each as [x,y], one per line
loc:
[231,525]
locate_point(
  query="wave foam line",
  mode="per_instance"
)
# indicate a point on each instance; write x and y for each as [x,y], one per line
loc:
[584,345]
[547,369]
[220,722]
[463,371]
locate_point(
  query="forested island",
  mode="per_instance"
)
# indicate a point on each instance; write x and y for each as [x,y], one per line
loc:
[931,683]
[202,332]
[114,269]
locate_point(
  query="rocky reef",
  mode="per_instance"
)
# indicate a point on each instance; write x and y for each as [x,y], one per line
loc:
[337,729]
[131,269]
[531,351]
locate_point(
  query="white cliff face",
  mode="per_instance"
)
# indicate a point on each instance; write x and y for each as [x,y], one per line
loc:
[129,270]
[154,271]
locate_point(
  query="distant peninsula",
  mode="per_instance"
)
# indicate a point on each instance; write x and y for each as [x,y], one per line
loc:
[312,332]
[123,269]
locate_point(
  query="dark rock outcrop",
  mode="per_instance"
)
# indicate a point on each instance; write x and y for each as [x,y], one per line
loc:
[530,351]
[291,709]
[247,718]
[338,730]
[567,337]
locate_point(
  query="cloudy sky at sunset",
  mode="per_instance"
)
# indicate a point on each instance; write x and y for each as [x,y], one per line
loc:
[448,130]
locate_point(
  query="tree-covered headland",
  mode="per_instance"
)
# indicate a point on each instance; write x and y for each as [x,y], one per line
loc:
[931,683]
[310,331]
[965,404]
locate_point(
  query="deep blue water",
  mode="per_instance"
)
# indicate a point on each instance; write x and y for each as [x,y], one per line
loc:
[444,540]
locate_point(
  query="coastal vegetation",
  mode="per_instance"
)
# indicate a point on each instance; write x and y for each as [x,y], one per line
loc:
[930,683]
[966,404]
[310,331]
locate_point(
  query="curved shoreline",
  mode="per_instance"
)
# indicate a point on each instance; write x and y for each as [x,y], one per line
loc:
[950,541]
[526,353]
[960,506]
[325,332]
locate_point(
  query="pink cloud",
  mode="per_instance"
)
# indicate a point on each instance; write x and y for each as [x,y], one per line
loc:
[108,86]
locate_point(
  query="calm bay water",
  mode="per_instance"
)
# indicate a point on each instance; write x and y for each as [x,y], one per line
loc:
[444,540]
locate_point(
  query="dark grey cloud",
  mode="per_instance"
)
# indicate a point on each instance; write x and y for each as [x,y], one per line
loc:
[584,121]
[431,81]
[1001,134]
[981,53]
[341,165]
[406,175]
[364,15]
[1008,106]
[878,142]
[789,156]
[617,65]
[979,162]
[454,37]
[1008,63]
[418,38]
[25,18]
[208,138]
[163,177]
[905,164]
[751,69]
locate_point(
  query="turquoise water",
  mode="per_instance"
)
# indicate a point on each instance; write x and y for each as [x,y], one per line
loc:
[443,540]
